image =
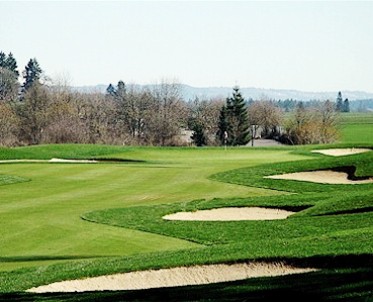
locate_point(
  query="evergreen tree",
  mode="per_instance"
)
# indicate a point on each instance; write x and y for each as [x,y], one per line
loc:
[11,64]
[8,77]
[238,129]
[198,136]
[110,90]
[339,105]
[223,125]
[346,106]
[234,128]
[31,74]
[2,59]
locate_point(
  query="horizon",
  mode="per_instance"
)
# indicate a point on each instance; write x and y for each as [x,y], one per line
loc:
[301,46]
[224,86]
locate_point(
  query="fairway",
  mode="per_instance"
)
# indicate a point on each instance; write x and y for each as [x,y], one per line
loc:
[73,220]
[41,219]
[356,128]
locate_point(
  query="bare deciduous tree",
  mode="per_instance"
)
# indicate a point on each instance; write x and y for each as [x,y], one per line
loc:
[312,125]
[265,115]
[9,125]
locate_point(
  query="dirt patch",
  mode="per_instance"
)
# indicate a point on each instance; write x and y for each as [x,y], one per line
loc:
[323,176]
[231,214]
[342,151]
[179,276]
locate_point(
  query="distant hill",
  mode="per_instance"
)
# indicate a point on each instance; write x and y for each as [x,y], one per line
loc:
[190,92]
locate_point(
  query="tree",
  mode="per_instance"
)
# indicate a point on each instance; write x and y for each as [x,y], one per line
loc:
[8,77]
[2,59]
[31,74]
[32,112]
[223,125]
[339,105]
[8,85]
[110,90]
[163,126]
[346,106]
[265,115]
[203,120]
[9,125]
[312,125]
[198,136]
[237,118]
[328,119]
[11,64]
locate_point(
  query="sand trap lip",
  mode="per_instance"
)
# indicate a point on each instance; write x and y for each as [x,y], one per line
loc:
[53,160]
[342,151]
[178,276]
[60,160]
[231,214]
[322,176]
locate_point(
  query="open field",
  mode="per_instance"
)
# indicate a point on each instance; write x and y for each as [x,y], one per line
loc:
[356,128]
[62,221]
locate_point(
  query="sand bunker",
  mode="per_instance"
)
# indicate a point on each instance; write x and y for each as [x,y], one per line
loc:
[324,177]
[231,214]
[342,152]
[10,161]
[60,160]
[179,276]
[53,160]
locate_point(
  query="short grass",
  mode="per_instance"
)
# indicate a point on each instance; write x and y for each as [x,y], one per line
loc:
[41,218]
[356,128]
[78,220]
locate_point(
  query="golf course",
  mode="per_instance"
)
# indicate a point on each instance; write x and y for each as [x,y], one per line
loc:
[74,212]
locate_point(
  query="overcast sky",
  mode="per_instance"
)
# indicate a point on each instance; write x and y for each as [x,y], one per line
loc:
[312,46]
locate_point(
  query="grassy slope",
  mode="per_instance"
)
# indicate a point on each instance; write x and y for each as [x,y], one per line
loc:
[41,218]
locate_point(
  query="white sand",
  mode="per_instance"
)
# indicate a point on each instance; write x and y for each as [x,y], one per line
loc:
[231,214]
[342,151]
[10,161]
[324,176]
[179,276]
[53,160]
[60,160]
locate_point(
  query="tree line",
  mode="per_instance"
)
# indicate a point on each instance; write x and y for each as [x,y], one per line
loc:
[41,112]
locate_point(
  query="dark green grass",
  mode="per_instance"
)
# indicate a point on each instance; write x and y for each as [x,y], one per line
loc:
[358,166]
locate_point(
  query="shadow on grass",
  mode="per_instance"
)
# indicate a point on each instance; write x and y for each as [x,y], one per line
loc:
[350,285]
[344,278]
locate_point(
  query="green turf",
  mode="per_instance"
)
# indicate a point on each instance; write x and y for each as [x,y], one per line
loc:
[41,218]
[356,128]
[45,239]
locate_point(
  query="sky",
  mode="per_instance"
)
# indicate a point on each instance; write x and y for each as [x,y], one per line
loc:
[301,45]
